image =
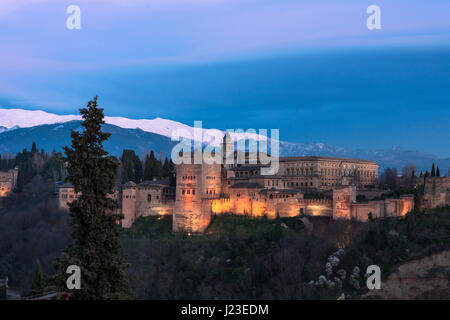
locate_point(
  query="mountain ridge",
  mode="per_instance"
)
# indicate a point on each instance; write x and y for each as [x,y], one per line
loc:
[55,136]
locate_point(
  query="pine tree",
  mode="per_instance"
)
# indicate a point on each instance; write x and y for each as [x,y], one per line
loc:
[37,284]
[438,173]
[95,231]
[433,171]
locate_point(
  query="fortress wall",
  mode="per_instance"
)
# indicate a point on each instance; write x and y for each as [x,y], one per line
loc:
[342,199]
[383,208]
[8,181]
[129,206]
[188,213]
[149,202]
[437,192]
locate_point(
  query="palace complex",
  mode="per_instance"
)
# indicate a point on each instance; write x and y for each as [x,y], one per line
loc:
[311,186]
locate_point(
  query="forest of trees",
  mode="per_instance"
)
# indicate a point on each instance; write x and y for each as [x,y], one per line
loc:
[31,163]
[50,165]
[136,170]
[390,177]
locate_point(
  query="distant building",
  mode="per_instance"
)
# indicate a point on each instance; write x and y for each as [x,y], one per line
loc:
[145,199]
[66,195]
[8,181]
[204,190]
[436,192]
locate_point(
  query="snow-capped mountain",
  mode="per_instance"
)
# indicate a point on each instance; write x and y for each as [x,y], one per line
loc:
[10,118]
[19,128]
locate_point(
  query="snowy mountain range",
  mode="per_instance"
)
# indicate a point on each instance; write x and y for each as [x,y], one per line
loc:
[19,128]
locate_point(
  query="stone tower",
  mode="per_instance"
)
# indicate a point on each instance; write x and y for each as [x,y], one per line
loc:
[196,185]
[343,198]
[227,151]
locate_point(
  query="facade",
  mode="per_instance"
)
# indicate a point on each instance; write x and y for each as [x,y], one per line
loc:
[204,190]
[312,186]
[325,173]
[437,192]
[66,195]
[147,198]
[8,182]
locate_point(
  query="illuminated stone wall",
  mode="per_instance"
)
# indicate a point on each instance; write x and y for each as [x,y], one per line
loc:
[343,197]
[8,181]
[129,191]
[437,192]
[383,208]
[197,186]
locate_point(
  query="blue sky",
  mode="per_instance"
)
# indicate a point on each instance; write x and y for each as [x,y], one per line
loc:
[310,68]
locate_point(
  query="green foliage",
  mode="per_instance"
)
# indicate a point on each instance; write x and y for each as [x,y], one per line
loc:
[95,231]
[389,242]
[131,167]
[37,284]
[238,257]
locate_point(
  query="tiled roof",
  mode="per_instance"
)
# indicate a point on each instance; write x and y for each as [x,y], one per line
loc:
[250,185]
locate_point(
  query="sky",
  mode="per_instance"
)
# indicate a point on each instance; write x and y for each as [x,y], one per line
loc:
[309,68]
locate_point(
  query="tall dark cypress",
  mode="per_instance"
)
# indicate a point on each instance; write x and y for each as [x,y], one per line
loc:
[37,284]
[433,171]
[438,173]
[95,231]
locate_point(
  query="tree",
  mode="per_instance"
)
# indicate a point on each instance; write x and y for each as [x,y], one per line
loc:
[438,173]
[166,168]
[131,167]
[389,178]
[34,148]
[37,284]
[95,231]
[433,171]
[151,167]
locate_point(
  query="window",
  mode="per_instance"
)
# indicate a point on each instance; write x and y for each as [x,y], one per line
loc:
[149,197]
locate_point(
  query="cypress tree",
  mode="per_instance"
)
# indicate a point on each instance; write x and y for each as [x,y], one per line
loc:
[433,171]
[166,168]
[37,284]
[138,171]
[150,167]
[95,231]
[34,148]
[438,173]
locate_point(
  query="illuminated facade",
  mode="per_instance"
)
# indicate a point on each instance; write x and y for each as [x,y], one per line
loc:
[8,182]
[312,186]
[204,190]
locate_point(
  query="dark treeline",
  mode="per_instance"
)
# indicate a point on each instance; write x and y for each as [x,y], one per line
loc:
[136,170]
[409,177]
[31,163]
[32,229]
[50,165]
